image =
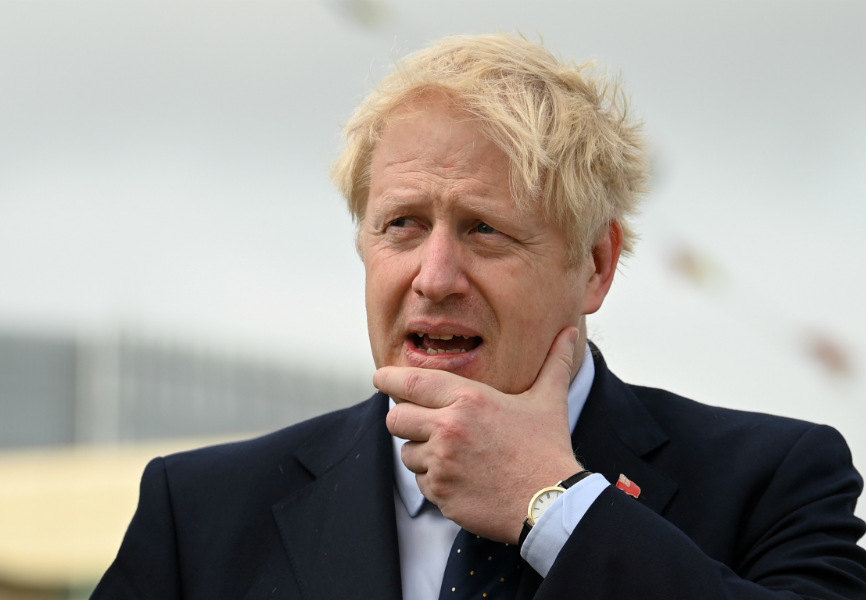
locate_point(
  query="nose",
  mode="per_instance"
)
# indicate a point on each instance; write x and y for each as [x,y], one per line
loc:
[441,273]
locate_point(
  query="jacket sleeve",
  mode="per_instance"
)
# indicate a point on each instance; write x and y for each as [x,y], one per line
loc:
[799,540]
[146,566]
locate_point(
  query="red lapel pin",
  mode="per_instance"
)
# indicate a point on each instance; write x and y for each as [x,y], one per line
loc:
[628,486]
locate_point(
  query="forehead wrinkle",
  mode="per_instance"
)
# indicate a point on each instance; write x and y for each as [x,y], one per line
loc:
[439,152]
[487,211]
[441,183]
[450,166]
[391,201]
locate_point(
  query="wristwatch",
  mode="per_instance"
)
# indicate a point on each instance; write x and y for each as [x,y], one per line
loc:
[544,498]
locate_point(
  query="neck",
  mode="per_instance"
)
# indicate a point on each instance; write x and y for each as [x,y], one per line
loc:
[579,347]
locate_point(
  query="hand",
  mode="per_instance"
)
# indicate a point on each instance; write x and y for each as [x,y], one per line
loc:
[477,453]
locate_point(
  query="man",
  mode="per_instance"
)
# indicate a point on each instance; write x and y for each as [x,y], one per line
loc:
[492,186]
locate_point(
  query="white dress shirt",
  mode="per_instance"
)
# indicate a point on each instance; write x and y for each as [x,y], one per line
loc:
[425,536]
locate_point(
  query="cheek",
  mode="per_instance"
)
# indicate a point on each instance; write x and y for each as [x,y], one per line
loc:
[534,319]
[377,297]
[378,326]
[383,283]
[385,290]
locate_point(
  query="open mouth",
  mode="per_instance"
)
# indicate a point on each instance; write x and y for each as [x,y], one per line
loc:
[444,343]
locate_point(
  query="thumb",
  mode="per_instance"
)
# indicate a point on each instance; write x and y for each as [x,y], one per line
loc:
[558,368]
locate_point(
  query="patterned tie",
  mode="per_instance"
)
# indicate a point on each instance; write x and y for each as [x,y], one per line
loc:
[478,568]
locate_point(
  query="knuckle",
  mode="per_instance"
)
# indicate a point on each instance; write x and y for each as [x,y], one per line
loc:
[471,399]
[412,384]
[450,430]
[438,487]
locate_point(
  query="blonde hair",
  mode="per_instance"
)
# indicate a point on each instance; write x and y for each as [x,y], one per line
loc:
[573,151]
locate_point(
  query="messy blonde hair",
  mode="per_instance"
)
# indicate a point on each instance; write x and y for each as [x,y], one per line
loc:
[574,154]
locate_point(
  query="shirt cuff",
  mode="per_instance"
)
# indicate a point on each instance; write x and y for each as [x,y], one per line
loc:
[553,529]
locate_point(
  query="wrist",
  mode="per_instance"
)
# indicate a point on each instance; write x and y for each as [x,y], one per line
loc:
[544,499]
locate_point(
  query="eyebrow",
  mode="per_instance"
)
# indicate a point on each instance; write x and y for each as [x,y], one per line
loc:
[412,199]
[484,211]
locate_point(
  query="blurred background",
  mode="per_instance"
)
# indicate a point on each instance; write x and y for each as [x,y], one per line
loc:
[176,268]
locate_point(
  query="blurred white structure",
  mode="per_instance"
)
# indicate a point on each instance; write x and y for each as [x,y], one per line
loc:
[132,388]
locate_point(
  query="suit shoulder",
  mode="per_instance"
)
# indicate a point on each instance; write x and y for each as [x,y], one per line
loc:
[675,409]
[272,452]
[706,428]
[632,409]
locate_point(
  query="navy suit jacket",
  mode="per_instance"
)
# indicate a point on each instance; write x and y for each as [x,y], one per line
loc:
[732,505]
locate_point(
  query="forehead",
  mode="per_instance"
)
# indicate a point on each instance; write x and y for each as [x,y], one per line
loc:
[432,128]
[432,147]
[436,158]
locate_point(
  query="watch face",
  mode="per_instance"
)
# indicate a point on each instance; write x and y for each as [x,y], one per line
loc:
[543,500]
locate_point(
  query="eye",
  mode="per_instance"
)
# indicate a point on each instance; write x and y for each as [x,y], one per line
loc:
[484,228]
[402,229]
[402,222]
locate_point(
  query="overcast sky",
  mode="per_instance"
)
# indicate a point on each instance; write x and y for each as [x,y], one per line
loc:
[164,169]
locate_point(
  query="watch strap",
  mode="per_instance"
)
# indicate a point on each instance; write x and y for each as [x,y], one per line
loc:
[564,484]
[524,533]
[567,483]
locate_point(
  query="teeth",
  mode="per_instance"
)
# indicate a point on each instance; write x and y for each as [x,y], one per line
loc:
[444,336]
[441,336]
[434,351]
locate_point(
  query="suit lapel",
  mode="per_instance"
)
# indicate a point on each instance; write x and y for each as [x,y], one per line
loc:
[616,435]
[339,531]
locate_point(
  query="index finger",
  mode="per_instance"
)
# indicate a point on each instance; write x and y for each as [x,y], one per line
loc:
[424,387]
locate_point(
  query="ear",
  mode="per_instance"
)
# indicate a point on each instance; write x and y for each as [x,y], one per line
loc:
[605,258]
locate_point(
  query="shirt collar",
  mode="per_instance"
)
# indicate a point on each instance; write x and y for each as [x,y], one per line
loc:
[407,486]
